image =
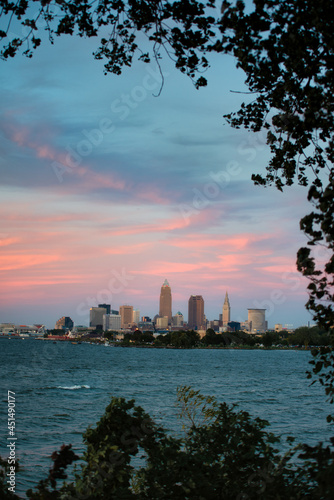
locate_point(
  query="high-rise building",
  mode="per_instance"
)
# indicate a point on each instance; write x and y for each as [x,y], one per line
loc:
[96,316]
[136,316]
[112,321]
[162,322]
[178,319]
[257,321]
[126,313]
[166,301]
[226,311]
[64,323]
[196,318]
[106,306]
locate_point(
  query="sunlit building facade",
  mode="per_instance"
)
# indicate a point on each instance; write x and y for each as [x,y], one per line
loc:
[126,313]
[257,320]
[226,311]
[165,308]
[196,318]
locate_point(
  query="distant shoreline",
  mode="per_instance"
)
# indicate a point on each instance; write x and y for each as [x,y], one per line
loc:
[148,346]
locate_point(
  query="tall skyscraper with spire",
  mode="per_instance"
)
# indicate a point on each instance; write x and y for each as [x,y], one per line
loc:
[226,311]
[165,308]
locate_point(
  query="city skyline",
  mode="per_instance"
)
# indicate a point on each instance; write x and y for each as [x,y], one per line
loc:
[106,189]
[195,317]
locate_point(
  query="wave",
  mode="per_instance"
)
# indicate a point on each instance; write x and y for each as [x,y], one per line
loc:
[73,387]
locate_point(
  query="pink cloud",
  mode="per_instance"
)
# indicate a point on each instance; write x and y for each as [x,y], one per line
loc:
[280,268]
[238,242]
[21,135]
[11,262]
[165,226]
[8,241]
[128,249]
[166,268]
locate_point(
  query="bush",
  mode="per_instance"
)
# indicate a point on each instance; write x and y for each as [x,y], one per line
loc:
[223,454]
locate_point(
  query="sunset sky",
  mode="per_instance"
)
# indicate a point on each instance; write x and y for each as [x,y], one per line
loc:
[107,190]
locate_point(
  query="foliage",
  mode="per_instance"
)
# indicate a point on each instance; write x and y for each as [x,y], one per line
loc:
[313,336]
[110,334]
[61,460]
[224,454]
[286,50]
[163,339]
[270,338]
[178,29]
[139,337]
[227,339]
[323,367]
[183,338]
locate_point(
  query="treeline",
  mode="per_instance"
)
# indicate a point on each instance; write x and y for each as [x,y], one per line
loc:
[301,337]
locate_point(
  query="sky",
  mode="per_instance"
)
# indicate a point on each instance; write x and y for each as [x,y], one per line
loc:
[107,189]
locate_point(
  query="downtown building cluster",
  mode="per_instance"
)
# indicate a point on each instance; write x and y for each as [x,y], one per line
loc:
[128,319]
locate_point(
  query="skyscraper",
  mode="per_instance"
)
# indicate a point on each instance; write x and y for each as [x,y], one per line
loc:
[126,313]
[136,316]
[96,316]
[257,320]
[196,312]
[226,311]
[106,307]
[166,301]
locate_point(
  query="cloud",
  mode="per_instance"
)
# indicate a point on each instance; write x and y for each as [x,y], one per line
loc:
[139,197]
[6,241]
[129,249]
[12,262]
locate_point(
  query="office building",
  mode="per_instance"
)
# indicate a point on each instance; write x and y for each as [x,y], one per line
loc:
[162,322]
[96,316]
[226,317]
[112,322]
[126,313]
[177,320]
[196,318]
[64,323]
[106,307]
[136,316]
[257,321]
[165,308]
[214,325]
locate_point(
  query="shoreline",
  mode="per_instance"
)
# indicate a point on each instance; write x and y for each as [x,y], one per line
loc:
[79,341]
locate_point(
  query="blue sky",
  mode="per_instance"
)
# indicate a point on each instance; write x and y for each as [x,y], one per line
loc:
[107,190]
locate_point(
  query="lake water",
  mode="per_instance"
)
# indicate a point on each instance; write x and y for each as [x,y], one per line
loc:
[62,388]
